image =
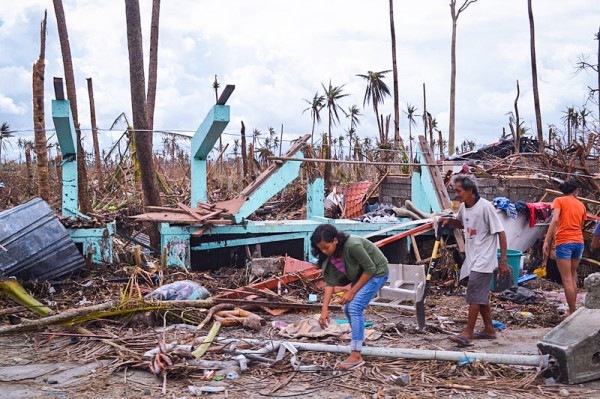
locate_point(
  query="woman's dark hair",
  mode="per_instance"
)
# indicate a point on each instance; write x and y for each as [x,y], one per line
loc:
[568,186]
[326,232]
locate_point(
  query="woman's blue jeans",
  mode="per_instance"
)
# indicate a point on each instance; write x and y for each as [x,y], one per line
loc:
[355,308]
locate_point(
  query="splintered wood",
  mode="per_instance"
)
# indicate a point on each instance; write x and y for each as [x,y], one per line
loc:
[205,215]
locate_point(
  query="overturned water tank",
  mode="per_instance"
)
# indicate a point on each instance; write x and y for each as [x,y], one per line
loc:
[34,244]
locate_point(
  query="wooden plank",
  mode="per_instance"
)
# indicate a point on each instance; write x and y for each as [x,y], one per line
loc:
[151,208]
[439,187]
[308,274]
[190,212]
[415,247]
[404,234]
[436,176]
[165,217]
[273,167]
[583,199]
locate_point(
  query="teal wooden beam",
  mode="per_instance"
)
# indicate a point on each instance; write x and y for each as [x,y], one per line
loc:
[315,198]
[225,243]
[203,142]
[422,190]
[199,187]
[97,243]
[67,139]
[276,182]
[177,242]
[177,238]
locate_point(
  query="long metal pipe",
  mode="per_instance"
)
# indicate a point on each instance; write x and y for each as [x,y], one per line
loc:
[419,354]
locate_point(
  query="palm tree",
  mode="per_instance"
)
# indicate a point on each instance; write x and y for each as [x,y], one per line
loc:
[333,95]
[272,133]
[264,153]
[341,144]
[153,63]
[143,135]
[236,149]
[376,92]
[255,135]
[215,87]
[244,151]
[536,93]
[315,106]
[412,122]
[571,119]
[353,114]
[583,115]
[397,138]
[455,14]
[5,133]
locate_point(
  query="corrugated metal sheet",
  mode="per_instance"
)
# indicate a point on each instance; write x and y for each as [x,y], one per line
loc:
[35,245]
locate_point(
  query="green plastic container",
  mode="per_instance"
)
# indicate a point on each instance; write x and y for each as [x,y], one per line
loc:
[513,258]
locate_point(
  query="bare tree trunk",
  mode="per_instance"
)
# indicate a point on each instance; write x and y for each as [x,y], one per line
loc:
[455,14]
[244,153]
[397,139]
[143,135]
[441,144]
[379,122]
[29,169]
[58,163]
[425,113]
[598,72]
[61,23]
[97,162]
[517,124]
[153,63]
[39,122]
[281,140]
[251,161]
[536,93]
[452,125]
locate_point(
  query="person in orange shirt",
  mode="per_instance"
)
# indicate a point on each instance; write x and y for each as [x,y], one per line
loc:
[568,215]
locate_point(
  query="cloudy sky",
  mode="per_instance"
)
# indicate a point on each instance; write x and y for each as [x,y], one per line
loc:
[278,53]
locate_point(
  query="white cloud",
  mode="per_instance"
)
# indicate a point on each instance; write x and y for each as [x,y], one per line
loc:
[278,53]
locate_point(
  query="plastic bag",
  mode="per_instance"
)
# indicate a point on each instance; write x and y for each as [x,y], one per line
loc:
[179,290]
[519,295]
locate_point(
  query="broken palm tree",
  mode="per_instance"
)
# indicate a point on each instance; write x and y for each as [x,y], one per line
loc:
[17,293]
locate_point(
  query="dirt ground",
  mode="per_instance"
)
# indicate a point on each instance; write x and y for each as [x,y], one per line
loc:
[42,365]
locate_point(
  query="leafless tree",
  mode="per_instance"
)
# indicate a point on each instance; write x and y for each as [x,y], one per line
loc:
[397,138]
[455,14]
[39,123]
[534,78]
[97,162]
[143,134]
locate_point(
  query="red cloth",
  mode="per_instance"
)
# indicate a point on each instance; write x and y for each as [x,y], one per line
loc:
[538,209]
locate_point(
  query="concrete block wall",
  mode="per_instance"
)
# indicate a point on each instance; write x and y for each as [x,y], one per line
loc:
[396,189]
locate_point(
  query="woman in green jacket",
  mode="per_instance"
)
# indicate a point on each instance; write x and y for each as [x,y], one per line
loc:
[347,260]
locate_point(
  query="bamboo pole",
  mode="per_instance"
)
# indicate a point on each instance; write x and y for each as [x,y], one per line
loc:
[198,353]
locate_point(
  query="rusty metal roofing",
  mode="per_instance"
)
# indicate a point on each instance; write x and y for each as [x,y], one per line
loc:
[34,244]
[353,199]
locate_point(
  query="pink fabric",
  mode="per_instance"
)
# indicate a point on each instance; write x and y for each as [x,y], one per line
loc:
[338,263]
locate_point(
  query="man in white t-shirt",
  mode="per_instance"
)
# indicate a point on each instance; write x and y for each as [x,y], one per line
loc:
[483,232]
